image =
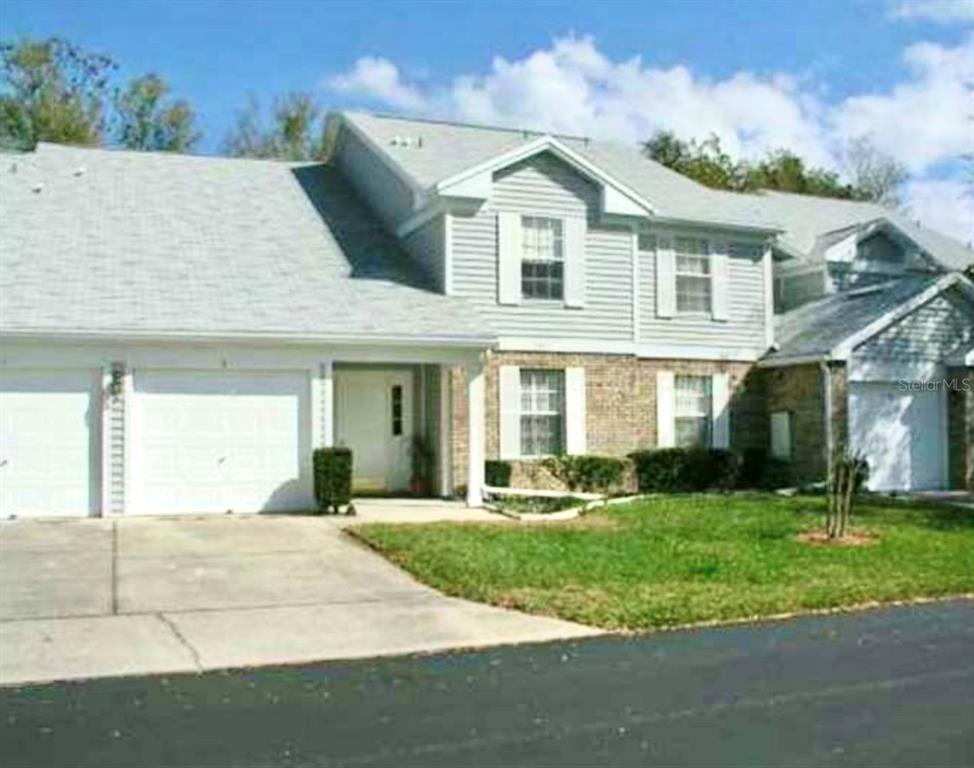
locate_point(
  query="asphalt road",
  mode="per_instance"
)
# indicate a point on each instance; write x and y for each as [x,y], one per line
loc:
[882,688]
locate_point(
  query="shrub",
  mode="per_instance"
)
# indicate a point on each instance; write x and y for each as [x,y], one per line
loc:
[333,478]
[497,473]
[758,470]
[587,473]
[669,470]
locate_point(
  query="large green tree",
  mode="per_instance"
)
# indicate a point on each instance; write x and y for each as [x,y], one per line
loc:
[148,120]
[51,90]
[295,130]
[874,176]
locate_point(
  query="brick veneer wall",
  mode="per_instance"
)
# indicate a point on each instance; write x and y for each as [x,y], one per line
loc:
[960,428]
[620,405]
[799,389]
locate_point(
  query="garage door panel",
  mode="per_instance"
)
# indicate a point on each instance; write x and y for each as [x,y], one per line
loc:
[48,428]
[213,441]
[901,433]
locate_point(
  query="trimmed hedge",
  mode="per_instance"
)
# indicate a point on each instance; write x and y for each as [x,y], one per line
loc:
[497,473]
[671,470]
[758,470]
[333,478]
[587,473]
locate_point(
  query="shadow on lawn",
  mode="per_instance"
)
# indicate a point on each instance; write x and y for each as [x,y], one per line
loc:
[931,514]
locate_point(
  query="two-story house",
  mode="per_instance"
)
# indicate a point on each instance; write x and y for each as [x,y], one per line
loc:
[177,333]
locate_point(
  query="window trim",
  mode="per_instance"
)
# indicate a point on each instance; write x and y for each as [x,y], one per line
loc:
[524,413]
[707,415]
[558,236]
[706,277]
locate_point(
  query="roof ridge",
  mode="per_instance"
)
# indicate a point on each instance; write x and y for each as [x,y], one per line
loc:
[463,124]
[47,146]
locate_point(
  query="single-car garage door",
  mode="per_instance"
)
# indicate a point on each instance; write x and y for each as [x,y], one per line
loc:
[48,424]
[205,441]
[901,433]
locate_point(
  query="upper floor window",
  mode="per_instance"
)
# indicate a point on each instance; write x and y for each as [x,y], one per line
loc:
[693,284]
[542,258]
[692,411]
[542,412]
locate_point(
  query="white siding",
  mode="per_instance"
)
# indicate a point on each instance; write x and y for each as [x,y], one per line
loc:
[545,186]
[939,328]
[425,245]
[744,327]
[116,452]
[387,195]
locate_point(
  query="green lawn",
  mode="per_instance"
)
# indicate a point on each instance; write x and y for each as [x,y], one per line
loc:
[685,559]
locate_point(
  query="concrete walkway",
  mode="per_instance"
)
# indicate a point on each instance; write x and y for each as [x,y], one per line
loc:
[93,598]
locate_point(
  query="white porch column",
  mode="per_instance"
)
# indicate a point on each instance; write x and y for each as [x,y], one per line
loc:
[327,404]
[475,432]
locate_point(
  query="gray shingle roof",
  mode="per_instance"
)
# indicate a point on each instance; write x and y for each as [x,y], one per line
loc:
[815,328]
[449,148]
[117,241]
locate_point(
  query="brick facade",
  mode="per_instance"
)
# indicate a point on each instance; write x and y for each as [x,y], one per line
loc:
[960,428]
[620,405]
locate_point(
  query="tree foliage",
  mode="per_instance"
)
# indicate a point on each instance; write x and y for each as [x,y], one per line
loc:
[52,90]
[147,120]
[875,176]
[295,130]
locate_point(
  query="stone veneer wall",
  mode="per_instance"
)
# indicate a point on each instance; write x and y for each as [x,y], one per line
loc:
[620,405]
[960,428]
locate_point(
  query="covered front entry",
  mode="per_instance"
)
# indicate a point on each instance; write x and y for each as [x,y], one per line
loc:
[901,432]
[375,412]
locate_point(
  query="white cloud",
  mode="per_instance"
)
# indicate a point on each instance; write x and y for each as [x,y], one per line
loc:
[379,80]
[945,205]
[573,87]
[938,11]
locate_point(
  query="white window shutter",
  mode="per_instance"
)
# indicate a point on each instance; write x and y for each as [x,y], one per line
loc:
[665,410]
[718,281]
[665,279]
[508,258]
[575,418]
[574,254]
[720,409]
[509,408]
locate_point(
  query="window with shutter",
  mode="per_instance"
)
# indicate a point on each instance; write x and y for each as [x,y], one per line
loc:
[542,258]
[692,411]
[693,282]
[542,412]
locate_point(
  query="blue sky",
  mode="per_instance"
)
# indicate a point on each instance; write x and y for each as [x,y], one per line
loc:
[810,75]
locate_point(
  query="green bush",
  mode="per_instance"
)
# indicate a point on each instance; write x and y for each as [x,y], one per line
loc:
[587,473]
[333,478]
[672,470]
[497,473]
[758,470]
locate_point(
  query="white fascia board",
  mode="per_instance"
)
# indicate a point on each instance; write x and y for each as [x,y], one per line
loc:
[843,350]
[781,362]
[617,197]
[619,347]
[759,230]
[453,342]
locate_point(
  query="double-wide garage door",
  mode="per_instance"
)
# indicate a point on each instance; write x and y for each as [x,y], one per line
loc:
[197,441]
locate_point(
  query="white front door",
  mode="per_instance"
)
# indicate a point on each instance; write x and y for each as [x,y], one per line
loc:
[901,433]
[48,423]
[375,419]
[208,441]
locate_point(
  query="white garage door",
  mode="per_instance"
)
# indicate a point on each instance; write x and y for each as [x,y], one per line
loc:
[902,434]
[207,441]
[47,426]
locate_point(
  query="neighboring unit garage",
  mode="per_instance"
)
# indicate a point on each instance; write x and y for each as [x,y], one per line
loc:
[901,433]
[49,442]
[220,441]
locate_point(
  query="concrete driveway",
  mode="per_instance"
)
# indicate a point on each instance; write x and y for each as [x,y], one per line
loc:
[91,598]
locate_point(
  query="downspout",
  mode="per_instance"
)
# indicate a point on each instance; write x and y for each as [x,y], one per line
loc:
[827,408]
